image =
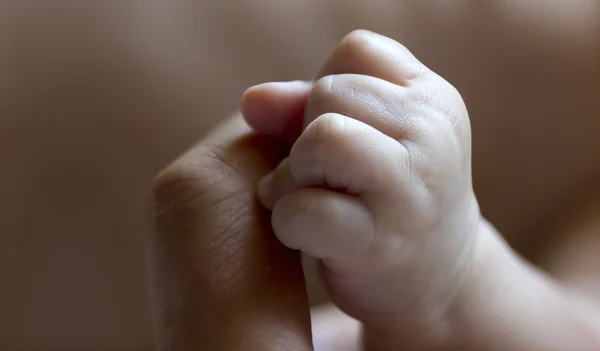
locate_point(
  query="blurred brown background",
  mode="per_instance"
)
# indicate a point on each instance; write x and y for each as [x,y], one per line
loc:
[97,96]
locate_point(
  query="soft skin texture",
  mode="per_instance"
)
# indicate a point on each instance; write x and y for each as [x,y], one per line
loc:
[97,96]
[378,186]
[394,139]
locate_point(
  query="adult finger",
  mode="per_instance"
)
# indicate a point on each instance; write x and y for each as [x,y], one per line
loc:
[219,279]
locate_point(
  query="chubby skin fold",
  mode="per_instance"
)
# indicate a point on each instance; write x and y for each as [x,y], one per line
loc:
[378,186]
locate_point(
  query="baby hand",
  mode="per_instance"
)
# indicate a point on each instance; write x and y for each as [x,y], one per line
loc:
[378,184]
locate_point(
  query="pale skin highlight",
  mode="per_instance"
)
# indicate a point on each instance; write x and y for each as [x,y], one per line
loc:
[532,280]
[93,105]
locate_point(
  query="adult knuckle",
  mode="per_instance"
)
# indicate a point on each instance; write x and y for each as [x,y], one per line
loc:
[209,178]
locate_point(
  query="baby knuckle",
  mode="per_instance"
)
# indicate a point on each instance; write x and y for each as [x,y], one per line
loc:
[458,109]
[326,129]
[356,44]
[323,142]
[323,89]
[453,92]
[445,98]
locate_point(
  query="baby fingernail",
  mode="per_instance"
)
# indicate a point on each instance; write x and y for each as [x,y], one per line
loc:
[263,189]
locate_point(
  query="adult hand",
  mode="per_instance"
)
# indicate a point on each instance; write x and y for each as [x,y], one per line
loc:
[220,280]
